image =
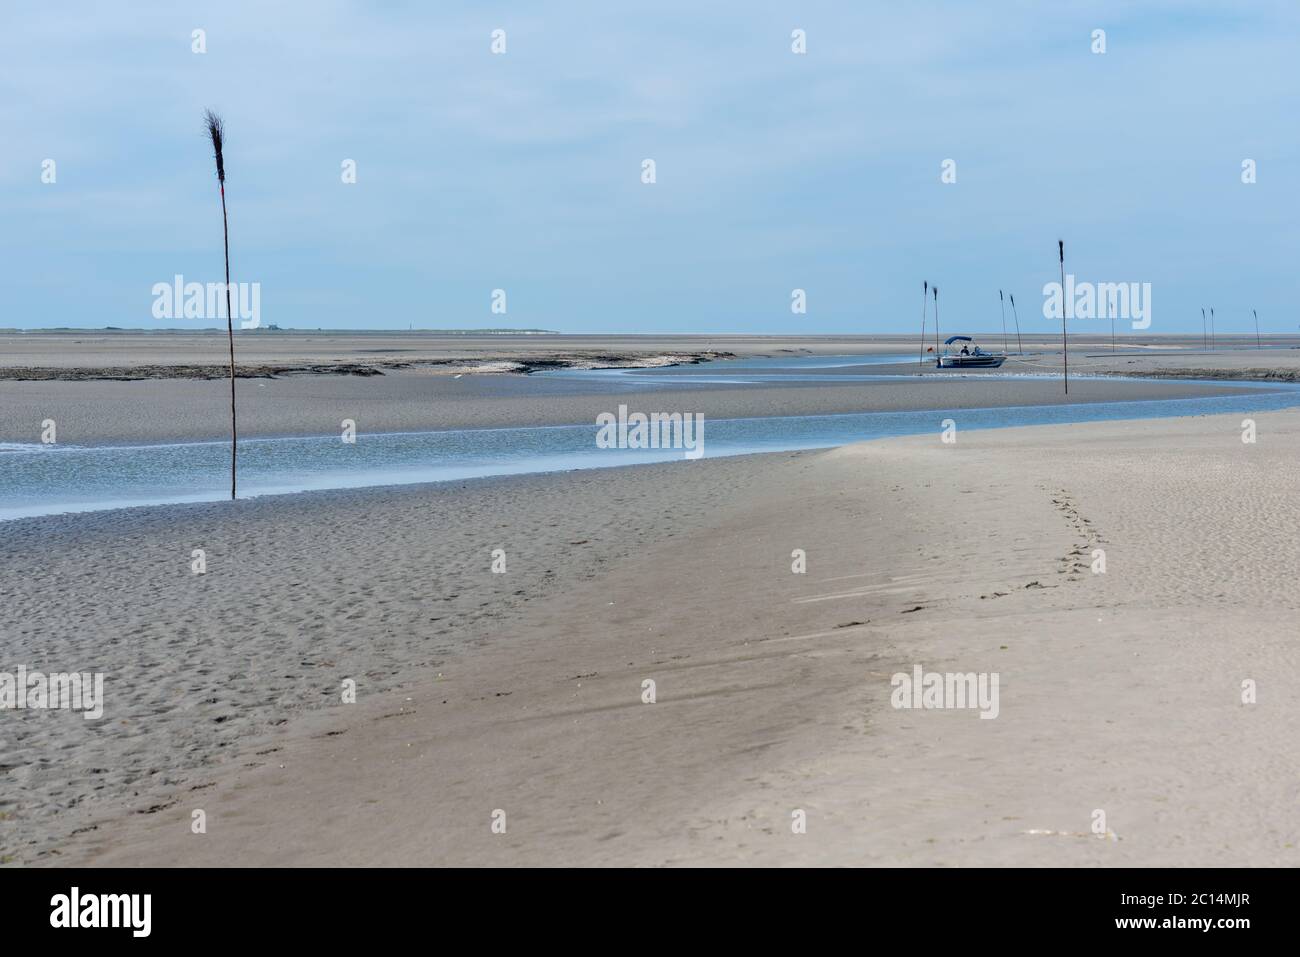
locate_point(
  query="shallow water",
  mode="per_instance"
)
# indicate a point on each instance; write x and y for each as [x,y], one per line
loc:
[754,370]
[41,480]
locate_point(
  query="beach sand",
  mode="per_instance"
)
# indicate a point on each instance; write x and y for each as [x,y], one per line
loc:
[522,692]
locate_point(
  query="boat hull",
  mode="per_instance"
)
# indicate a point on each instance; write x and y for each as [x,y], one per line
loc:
[970,362]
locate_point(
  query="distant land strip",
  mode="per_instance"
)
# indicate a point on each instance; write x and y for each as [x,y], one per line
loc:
[277,330]
[518,365]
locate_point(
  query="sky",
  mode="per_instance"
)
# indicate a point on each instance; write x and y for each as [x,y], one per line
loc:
[774,170]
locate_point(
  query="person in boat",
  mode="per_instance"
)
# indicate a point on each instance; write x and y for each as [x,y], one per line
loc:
[965,351]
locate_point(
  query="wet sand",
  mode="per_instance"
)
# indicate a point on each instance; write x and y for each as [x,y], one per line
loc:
[182,407]
[92,413]
[90,354]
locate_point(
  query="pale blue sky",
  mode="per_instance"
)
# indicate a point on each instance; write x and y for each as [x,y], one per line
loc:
[775,171]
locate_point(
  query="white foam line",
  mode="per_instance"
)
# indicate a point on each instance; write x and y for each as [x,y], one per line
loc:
[840,578]
[846,594]
[881,589]
[892,578]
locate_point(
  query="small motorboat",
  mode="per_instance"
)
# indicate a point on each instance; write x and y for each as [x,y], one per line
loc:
[968,358]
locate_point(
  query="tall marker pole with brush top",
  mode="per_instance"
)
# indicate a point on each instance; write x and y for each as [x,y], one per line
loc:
[1002,304]
[1258,345]
[217,130]
[1065,341]
[925,294]
[1212,345]
[935,290]
[1019,345]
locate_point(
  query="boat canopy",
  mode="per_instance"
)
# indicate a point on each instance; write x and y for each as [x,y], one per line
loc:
[951,339]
